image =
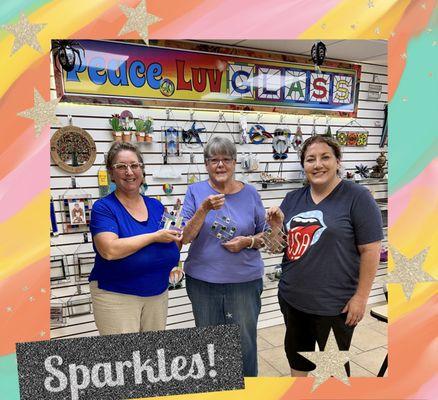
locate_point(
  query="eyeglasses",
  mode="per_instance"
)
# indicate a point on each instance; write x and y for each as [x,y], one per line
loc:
[215,161]
[124,167]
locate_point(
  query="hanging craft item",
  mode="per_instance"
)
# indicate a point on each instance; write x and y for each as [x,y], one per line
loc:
[191,133]
[53,224]
[352,135]
[193,173]
[79,307]
[361,172]
[384,137]
[170,139]
[143,129]
[57,314]
[281,143]
[116,127]
[59,269]
[297,140]
[173,219]
[243,127]
[274,239]
[313,133]
[73,149]
[64,54]
[249,162]
[318,53]
[76,209]
[103,179]
[258,134]
[126,121]
[267,178]
[83,264]
[221,121]
[191,137]
[328,130]
[168,188]
[378,171]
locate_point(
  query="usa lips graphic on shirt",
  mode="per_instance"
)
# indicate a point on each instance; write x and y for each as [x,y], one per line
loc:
[304,230]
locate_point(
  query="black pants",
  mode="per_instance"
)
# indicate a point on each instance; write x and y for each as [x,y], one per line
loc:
[304,330]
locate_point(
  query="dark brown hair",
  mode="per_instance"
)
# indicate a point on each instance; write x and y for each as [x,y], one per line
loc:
[320,139]
[116,148]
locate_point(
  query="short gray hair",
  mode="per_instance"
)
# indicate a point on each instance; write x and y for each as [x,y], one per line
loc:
[219,146]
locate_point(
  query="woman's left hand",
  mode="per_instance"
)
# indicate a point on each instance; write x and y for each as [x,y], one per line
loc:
[236,244]
[355,309]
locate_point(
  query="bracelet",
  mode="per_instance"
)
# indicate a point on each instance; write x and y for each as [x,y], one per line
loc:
[252,243]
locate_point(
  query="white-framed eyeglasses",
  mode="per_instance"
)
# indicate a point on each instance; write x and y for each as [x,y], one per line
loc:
[124,167]
[216,161]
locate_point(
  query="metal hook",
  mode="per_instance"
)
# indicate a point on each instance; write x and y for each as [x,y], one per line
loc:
[259,117]
[70,120]
[167,113]
[192,112]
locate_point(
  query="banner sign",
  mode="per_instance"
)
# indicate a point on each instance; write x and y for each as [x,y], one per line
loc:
[132,365]
[132,71]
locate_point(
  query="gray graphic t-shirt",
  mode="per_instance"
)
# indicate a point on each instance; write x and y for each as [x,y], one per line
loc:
[321,262]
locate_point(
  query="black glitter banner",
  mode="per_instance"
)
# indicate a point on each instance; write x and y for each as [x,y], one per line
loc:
[132,365]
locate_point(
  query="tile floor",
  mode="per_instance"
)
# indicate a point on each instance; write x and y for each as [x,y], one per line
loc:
[369,347]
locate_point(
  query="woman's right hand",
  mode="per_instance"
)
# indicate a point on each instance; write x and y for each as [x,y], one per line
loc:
[167,236]
[213,202]
[274,216]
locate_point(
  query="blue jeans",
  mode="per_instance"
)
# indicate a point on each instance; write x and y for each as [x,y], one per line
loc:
[229,303]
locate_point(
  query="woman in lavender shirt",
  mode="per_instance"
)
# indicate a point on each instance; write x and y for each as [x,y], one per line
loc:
[224,278]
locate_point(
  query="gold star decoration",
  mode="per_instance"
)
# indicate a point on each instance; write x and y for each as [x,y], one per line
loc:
[43,113]
[404,56]
[138,20]
[329,362]
[408,271]
[370,4]
[24,33]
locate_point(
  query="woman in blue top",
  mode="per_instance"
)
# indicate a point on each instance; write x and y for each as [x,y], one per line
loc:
[134,258]
[224,277]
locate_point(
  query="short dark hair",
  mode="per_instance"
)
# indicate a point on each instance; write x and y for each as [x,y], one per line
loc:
[116,148]
[320,139]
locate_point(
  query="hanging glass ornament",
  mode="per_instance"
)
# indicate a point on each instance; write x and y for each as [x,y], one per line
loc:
[297,140]
[167,188]
[318,53]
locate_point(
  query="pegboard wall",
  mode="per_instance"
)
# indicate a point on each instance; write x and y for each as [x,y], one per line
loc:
[72,257]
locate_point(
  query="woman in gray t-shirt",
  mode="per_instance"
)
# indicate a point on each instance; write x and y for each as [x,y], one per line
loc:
[334,230]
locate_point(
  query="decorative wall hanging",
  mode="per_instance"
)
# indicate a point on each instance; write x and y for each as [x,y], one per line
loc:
[378,171]
[361,172]
[143,129]
[203,76]
[57,314]
[267,178]
[221,121]
[243,128]
[281,143]
[328,130]
[65,53]
[59,269]
[73,149]
[193,172]
[83,264]
[318,53]
[384,137]
[297,140]
[103,180]
[79,307]
[126,121]
[76,210]
[258,134]
[191,137]
[375,89]
[53,224]
[168,188]
[249,162]
[352,135]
